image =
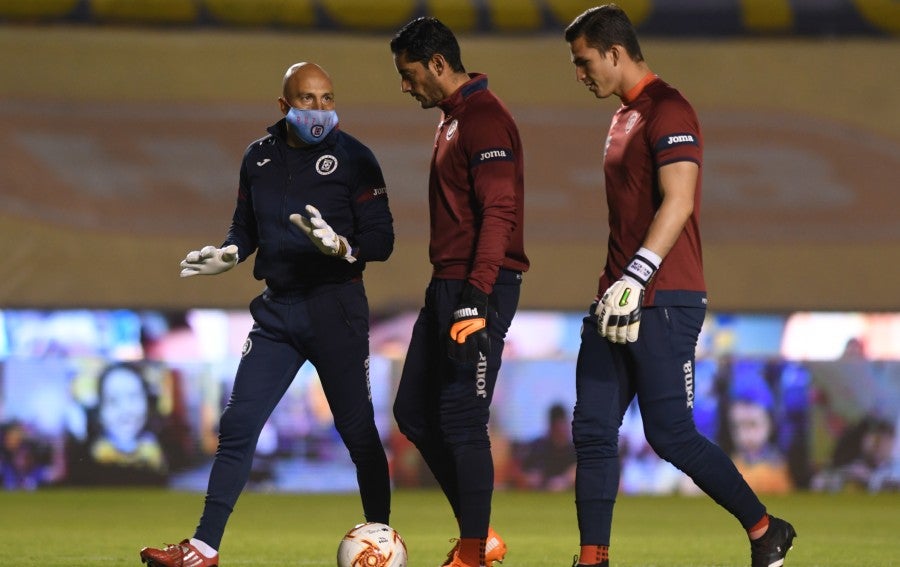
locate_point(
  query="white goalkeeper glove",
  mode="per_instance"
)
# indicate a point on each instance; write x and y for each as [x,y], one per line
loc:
[619,310]
[322,235]
[209,261]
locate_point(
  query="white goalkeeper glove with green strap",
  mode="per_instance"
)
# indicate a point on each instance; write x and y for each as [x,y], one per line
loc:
[619,310]
[322,235]
[209,261]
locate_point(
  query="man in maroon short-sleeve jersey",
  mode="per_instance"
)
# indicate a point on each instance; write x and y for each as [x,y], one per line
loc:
[640,334]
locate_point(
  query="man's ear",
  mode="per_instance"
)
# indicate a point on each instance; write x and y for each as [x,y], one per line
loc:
[438,64]
[283,105]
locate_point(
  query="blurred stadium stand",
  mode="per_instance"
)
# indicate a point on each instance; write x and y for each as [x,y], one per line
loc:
[653,17]
[122,124]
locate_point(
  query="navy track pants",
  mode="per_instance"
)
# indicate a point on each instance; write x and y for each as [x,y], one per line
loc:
[658,368]
[329,327]
[443,406]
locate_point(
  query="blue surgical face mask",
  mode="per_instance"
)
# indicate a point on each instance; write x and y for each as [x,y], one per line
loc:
[311,126]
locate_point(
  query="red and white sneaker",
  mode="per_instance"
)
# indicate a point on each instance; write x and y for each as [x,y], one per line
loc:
[182,555]
[494,550]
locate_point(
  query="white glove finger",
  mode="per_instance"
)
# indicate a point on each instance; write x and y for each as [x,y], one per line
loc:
[306,227]
[207,252]
[609,328]
[633,329]
[299,220]
[192,257]
[326,236]
[621,330]
[229,253]
[603,321]
[330,244]
[186,263]
[319,222]
[313,212]
[188,272]
[634,325]
[613,329]
[607,332]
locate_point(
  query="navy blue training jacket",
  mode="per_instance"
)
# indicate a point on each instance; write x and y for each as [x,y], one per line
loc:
[339,176]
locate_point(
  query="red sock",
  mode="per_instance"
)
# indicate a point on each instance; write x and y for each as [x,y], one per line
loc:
[759,528]
[593,554]
[471,550]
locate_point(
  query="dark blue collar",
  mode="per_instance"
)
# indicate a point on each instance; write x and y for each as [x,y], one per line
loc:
[477,82]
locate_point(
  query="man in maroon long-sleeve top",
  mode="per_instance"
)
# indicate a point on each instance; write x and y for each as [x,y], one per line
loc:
[476,196]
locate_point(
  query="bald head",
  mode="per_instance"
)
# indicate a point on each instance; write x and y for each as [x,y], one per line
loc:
[306,86]
[303,71]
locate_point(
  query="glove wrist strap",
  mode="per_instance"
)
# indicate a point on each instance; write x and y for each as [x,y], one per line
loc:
[642,266]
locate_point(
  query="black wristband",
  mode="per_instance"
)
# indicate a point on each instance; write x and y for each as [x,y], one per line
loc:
[641,269]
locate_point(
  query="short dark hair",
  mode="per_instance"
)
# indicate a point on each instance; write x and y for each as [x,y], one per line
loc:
[422,38]
[605,26]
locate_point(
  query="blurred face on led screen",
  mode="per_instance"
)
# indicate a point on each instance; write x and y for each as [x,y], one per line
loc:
[123,406]
[750,425]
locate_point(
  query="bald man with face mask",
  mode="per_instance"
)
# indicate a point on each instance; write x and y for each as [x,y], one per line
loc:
[312,205]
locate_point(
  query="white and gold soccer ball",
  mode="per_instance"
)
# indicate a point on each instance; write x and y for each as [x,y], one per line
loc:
[372,545]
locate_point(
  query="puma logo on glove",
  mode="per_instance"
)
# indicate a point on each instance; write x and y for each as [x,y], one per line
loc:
[469,338]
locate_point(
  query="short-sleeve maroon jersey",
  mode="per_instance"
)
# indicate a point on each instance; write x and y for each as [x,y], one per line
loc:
[476,189]
[657,126]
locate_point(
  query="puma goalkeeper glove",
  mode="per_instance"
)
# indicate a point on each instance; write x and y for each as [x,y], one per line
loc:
[469,340]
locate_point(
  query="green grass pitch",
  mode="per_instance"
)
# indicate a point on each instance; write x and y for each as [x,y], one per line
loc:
[102,527]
